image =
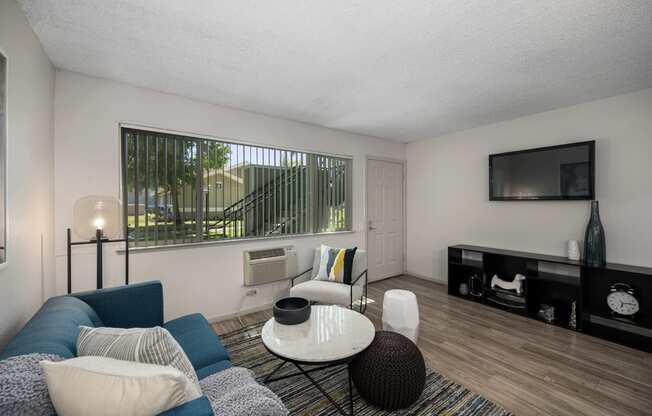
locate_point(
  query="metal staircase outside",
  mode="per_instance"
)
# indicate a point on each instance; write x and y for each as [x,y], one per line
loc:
[251,209]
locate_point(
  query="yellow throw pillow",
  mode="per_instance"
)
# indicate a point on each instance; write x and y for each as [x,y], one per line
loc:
[337,270]
[336,264]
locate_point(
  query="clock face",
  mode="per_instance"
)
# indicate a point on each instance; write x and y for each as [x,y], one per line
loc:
[622,303]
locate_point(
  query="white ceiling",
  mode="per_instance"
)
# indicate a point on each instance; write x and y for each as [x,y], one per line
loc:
[402,70]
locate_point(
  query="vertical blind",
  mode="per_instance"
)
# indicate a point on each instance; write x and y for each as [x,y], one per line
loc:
[183,189]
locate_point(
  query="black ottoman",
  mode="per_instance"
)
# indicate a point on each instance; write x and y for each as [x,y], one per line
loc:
[390,373]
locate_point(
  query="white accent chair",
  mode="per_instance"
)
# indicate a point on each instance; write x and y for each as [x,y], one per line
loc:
[333,293]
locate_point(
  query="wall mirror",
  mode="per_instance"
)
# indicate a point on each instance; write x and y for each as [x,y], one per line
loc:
[3,159]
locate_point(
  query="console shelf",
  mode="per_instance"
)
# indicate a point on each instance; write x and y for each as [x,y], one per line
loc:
[557,278]
[555,281]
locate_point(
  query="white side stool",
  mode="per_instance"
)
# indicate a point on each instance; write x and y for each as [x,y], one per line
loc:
[401,313]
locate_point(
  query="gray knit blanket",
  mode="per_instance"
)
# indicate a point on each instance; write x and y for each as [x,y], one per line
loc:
[235,392]
[232,392]
[23,390]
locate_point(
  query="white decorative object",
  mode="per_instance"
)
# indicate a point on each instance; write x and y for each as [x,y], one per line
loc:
[332,333]
[573,250]
[401,313]
[464,289]
[516,284]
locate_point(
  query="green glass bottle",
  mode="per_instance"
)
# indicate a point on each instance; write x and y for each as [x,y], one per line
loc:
[595,246]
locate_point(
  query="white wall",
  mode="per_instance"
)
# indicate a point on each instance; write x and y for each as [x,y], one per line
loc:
[448,196]
[29,275]
[204,279]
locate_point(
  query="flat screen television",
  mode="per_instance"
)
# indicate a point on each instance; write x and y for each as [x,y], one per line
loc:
[565,172]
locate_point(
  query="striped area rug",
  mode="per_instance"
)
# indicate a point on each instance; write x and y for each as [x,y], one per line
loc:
[440,397]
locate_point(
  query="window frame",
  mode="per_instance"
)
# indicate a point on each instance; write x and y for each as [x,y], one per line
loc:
[4,163]
[348,191]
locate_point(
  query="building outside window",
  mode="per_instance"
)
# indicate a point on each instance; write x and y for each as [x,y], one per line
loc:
[182,189]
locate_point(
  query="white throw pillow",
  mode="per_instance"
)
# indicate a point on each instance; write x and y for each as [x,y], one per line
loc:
[106,386]
[322,274]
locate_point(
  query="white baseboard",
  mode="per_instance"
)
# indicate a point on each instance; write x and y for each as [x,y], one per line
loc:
[242,312]
[429,278]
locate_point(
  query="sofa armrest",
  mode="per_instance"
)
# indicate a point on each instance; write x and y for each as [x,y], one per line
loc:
[198,407]
[133,306]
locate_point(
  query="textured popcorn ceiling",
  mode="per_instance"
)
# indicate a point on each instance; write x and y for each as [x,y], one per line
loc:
[403,70]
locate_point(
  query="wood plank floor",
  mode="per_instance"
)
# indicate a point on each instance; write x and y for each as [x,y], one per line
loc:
[528,367]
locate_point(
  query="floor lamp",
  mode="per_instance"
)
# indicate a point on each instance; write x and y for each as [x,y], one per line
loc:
[97,220]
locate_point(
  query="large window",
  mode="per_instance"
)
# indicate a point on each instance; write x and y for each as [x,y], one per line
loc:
[183,189]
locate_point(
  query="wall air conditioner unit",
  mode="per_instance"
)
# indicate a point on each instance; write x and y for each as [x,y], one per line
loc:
[269,265]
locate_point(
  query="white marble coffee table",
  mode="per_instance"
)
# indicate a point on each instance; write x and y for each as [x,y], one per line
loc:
[332,336]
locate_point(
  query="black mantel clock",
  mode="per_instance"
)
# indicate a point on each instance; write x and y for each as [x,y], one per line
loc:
[622,301]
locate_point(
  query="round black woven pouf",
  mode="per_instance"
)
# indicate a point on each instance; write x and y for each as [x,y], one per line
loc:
[390,373]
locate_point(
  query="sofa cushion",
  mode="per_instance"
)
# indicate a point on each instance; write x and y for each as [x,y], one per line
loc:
[138,305]
[329,293]
[53,329]
[197,407]
[198,340]
[213,368]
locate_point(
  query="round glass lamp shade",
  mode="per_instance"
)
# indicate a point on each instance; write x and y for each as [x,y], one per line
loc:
[92,213]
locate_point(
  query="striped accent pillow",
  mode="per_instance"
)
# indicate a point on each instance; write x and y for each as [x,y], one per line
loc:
[336,264]
[144,345]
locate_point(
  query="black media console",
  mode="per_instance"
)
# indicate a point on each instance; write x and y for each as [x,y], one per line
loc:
[558,282]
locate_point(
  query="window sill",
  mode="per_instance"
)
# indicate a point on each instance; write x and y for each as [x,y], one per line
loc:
[229,241]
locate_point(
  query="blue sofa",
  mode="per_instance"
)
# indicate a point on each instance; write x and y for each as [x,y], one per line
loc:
[55,327]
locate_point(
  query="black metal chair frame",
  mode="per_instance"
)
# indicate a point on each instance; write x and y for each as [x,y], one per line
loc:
[363,298]
[345,363]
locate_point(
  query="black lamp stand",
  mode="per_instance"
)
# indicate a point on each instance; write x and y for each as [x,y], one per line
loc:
[98,241]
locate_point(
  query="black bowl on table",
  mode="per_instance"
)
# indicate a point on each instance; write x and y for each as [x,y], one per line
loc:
[291,310]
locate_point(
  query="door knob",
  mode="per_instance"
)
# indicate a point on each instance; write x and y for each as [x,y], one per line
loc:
[371,228]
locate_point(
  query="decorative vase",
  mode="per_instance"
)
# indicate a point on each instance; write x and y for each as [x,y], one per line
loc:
[573,250]
[547,313]
[475,285]
[464,289]
[572,319]
[595,246]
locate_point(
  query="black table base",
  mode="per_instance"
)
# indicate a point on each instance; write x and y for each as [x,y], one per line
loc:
[306,373]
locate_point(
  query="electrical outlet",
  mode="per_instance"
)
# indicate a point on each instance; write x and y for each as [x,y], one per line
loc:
[252,292]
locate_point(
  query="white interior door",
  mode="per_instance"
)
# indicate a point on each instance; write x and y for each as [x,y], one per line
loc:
[384,219]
